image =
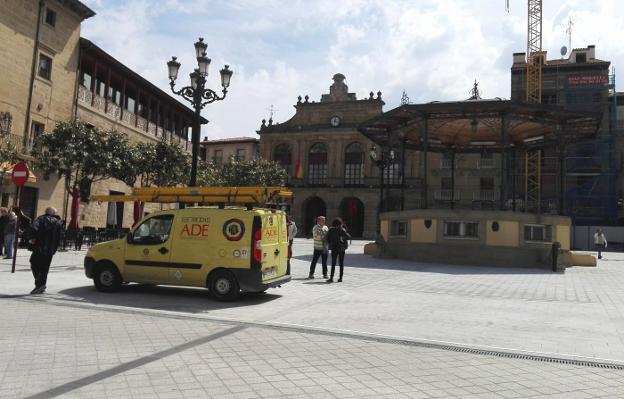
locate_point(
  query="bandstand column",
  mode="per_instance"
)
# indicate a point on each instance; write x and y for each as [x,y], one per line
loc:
[503,166]
[452,177]
[425,161]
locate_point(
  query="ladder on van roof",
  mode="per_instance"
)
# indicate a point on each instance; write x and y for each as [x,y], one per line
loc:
[218,195]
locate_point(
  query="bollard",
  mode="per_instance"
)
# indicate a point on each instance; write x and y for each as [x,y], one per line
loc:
[555,254]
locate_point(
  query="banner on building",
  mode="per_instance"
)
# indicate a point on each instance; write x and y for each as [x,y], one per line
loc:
[588,80]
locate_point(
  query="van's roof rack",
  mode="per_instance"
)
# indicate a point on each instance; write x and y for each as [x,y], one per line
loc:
[214,195]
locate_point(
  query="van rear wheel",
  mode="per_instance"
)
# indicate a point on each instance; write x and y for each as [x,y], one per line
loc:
[223,286]
[107,278]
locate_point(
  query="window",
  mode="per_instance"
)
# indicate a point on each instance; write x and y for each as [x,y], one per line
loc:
[153,231]
[45,66]
[537,232]
[581,57]
[36,129]
[218,157]
[50,17]
[446,183]
[85,79]
[392,174]
[240,154]
[549,99]
[282,156]
[461,229]
[486,183]
[398,228]
[354,165]
[317,165]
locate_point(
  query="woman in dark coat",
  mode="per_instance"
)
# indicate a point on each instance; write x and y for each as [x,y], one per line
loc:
[337,240]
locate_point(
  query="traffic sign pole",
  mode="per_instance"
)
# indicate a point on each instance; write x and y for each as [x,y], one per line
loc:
[19,175]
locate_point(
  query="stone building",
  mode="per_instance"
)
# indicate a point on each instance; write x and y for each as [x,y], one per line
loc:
[331,172]
[580,82]
[223,150]
[51,74]
[39,43]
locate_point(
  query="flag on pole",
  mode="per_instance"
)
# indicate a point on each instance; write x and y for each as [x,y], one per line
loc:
[298,170]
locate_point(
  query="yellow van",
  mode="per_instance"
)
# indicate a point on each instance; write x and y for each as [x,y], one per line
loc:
[225,249]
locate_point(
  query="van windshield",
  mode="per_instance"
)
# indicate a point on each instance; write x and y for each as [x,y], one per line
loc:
[154,230]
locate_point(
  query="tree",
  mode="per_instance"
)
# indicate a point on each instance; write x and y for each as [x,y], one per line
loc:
[8,158]
[257,172]
[159,164]
[82,154]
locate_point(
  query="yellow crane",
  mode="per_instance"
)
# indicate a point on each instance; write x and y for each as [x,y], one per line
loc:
[533,94]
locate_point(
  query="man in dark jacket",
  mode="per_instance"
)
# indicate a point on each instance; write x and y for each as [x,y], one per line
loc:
[44,237]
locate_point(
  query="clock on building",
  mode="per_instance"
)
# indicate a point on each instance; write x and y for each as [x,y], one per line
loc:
[334,121]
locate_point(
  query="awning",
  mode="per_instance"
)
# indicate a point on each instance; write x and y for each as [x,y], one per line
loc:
[6,168]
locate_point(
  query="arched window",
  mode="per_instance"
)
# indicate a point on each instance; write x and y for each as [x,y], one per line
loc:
[317,165]
[283,156]
[354,165]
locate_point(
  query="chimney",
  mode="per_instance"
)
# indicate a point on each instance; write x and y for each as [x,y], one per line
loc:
[519,58]
[592,52]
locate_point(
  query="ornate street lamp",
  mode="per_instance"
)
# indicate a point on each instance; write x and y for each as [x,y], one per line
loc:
[382,161]
[198,94]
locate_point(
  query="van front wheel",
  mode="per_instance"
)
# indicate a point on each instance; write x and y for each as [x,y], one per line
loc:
[107,278]
[223,286]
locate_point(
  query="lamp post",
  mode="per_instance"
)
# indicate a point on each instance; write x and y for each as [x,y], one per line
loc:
[198,94]
[382,161]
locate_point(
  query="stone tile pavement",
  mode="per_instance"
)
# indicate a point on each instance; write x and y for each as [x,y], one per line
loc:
[80,352]
[360,338]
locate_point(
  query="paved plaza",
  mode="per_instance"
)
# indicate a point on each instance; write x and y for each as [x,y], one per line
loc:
[392,329]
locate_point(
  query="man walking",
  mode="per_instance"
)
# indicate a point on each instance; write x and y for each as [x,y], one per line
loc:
[319,231]
[44,237]
[600,242]
[292,232]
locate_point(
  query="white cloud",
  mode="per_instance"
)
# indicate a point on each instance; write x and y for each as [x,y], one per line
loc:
[279,50]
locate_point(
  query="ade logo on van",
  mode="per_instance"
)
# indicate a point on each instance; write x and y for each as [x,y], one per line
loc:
[195,227]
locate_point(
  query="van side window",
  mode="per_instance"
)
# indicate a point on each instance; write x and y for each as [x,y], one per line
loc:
[153,231]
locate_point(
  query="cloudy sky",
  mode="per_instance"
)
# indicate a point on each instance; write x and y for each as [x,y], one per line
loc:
[432,49]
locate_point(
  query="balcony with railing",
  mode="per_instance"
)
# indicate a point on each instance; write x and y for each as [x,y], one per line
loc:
[128,118]
[447,195]
[485,195]
[486,163]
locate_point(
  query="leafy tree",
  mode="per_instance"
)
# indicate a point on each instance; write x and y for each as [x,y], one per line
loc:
[257,172]
[8,158]
[159,164]
[80,153]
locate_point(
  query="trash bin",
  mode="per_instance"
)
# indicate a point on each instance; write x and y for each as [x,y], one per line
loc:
[556,246]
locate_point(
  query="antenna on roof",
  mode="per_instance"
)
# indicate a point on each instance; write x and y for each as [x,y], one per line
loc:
[404,98]
[272,110]
[475,94]
[569,32]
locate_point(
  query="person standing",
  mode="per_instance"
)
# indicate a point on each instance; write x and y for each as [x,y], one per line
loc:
[338,241]
[45,235]
[600,242]
[319,232]
[4,219]
[9,234]
[292,232]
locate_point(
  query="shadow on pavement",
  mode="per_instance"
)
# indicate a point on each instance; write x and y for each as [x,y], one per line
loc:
[370,262]
[179,299]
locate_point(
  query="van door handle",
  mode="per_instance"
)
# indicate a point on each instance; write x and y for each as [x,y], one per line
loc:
[163,250]
[277,252]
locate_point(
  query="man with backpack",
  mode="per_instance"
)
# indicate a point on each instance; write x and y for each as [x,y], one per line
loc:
[44,237]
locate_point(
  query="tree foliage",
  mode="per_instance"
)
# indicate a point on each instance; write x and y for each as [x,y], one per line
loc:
[81,153]
[161,164]
[257,172]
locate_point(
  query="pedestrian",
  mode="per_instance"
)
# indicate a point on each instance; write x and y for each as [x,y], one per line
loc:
[319,232]
[44,240]
[600,242]
[9,234]
[4,219]
[292,232]
[338,241]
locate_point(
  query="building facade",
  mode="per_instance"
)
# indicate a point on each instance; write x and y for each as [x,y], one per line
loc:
[224,150]
[51,74]
[580,82]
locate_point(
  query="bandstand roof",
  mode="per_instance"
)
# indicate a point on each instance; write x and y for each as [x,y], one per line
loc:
[475,124]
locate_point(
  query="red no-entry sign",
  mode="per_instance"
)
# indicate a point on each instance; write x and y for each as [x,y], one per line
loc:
[19,175]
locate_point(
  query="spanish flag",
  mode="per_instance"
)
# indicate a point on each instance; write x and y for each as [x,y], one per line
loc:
[298,170]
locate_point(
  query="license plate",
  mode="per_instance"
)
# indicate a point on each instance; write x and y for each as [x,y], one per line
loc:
[269,273]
